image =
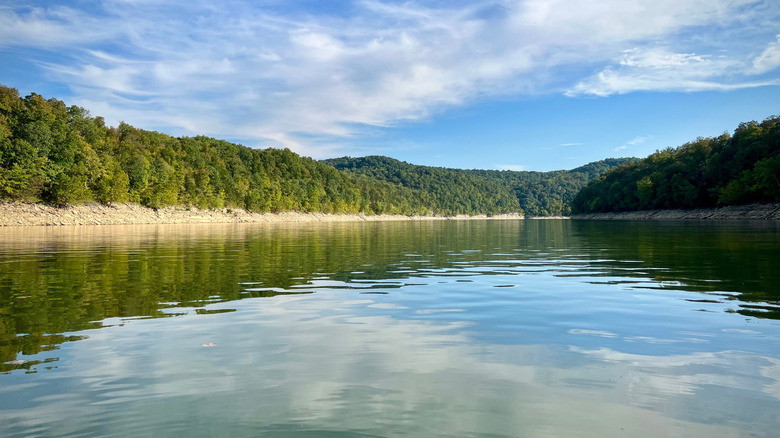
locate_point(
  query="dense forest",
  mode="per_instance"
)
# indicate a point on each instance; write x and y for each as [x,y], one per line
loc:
[483,191]
[56,154]
[60,155]
[731,169]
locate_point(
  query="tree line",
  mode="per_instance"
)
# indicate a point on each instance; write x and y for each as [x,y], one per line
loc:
[482,191]
[742,168]
[61,155]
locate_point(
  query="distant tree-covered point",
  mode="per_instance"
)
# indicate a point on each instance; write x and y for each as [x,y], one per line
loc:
[482,191]
[60,155]
[734,169]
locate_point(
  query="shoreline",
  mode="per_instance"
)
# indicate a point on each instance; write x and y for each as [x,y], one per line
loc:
[731,212]
[21,214]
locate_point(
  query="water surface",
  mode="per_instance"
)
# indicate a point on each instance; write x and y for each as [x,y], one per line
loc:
[457,328]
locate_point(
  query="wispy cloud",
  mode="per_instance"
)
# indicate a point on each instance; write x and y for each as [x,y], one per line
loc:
[633,142]
[769,59]
[282,75]
[658,69]
[571,144]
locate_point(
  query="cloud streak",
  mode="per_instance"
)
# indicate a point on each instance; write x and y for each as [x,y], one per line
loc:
[769,59]
[633,142]
[317,80]
[658,69]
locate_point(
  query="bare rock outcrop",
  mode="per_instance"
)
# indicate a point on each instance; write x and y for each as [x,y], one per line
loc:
[733,212]
[30,214]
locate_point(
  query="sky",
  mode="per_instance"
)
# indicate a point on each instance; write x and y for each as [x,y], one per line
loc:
[490,84]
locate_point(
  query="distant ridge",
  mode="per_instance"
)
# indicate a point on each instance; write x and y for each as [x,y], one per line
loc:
[534,193]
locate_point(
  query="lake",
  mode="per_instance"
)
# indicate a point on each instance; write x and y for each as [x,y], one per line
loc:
[538,328]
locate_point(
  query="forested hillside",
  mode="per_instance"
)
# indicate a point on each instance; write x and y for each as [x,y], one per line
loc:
[60,155]
[708,172]
[488,191]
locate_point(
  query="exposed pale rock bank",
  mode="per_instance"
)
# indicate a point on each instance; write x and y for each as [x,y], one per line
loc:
[733,212]
[29,214]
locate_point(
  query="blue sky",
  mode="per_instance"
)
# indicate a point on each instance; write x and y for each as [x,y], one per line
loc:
[494,84]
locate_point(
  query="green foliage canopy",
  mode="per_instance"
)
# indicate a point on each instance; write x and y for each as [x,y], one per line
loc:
[453,191]
[61,155]
[708,172]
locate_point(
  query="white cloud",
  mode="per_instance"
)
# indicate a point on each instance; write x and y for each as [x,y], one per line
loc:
[581,22]
[312,82]
[636,140]
[769,59]
[49,28]
[571,144]
[633,142]
[660,59]
[659,69]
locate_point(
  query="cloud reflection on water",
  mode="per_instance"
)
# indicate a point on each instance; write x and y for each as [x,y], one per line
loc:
[320,362]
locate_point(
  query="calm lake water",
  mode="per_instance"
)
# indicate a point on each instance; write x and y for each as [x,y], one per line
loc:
[547,328]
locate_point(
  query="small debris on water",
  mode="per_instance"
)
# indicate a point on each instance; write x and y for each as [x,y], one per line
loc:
[210,344]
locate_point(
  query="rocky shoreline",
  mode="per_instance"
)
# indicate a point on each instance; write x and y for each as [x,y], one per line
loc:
[30,214]
[734,212]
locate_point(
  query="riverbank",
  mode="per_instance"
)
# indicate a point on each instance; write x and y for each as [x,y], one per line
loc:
[733,212]
[28,214]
